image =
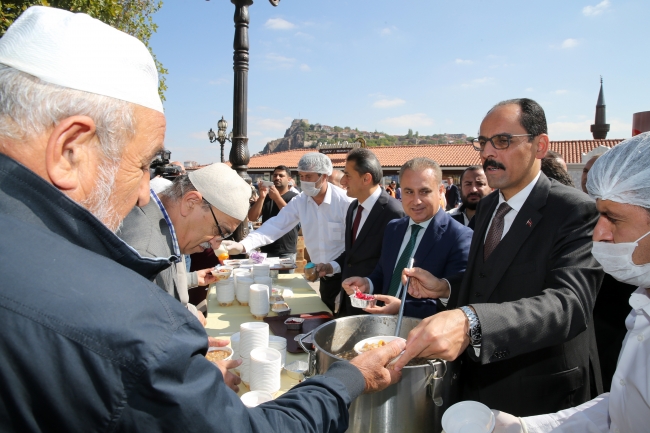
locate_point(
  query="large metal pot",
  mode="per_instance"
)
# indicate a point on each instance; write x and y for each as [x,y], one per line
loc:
[415,404]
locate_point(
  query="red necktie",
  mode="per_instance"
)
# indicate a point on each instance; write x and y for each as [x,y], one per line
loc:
[355,225]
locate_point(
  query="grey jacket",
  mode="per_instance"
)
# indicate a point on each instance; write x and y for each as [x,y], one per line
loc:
[145,229]
[89,345]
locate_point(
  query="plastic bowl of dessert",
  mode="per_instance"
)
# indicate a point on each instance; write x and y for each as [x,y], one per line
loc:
[222,272]
[294,323]
[362,300]
[374,342]
[281,308]
[219,354]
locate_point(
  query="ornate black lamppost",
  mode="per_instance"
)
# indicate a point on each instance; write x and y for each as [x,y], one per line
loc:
[220,136]
[239,155]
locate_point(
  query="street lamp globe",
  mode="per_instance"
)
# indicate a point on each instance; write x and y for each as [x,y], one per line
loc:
[222,125]
[212,136]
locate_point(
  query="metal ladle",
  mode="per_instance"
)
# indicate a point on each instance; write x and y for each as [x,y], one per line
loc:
[405,290]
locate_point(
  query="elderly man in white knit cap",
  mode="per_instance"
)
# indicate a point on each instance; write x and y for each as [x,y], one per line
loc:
[88,343]
[620,182]
[194,213]
[320,209]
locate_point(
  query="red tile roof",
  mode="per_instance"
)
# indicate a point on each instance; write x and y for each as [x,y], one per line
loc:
[448,155]
[572,150]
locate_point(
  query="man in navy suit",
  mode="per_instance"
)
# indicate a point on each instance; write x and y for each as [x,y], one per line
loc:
[427,233]
[365,222]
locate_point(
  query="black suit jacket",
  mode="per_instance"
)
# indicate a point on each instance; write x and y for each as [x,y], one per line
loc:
[534,297]
[460,217]
[359,259]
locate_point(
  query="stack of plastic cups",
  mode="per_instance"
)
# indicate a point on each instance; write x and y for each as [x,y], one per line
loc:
[242,289]
[261,270]
[265,370]
[267,281]
[239,272]
[226,292]
[234,344]
[258,299]
[279,344]
[252,335]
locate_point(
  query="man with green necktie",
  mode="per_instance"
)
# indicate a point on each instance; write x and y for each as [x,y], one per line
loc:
[427,233]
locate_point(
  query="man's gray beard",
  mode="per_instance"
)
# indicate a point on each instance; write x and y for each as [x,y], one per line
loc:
[99,201]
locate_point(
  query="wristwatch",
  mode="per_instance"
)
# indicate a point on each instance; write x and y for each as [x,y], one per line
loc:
[474,331]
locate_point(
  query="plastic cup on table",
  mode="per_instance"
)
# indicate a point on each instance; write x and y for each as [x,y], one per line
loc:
[279,344]
[258,300]
[265,370]
[468,417]
[252,335]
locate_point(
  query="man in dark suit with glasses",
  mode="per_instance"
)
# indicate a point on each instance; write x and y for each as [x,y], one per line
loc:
[521,316]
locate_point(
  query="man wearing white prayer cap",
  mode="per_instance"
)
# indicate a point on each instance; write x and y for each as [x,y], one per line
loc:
[320,209]
[620,182]
[88,343]
[193,213]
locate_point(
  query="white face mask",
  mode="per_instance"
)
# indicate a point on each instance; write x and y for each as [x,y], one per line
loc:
[310,188]
[616,260]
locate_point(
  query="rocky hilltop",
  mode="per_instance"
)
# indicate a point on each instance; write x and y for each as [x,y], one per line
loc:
[294,138]
[301,134]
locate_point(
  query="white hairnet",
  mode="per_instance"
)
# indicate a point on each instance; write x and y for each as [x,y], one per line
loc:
[623,174]
[315,162]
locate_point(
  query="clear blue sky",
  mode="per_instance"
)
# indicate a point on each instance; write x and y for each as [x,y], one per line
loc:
[433,66]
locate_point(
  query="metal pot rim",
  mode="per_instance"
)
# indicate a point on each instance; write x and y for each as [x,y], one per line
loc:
[317,348]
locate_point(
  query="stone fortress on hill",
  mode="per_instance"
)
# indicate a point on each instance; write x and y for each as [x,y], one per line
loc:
[303,135]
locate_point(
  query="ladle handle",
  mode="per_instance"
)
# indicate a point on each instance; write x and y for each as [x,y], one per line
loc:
[311,359]
[434,382]
[405,290]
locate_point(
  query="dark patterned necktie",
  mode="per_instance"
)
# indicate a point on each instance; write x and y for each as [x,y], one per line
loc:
[403,261]
[355,225]
[496,230]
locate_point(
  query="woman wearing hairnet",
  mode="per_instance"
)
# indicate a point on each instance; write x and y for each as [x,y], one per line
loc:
[620,183]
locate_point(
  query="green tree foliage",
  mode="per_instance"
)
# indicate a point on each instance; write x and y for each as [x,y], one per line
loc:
[409,134]
[131,16]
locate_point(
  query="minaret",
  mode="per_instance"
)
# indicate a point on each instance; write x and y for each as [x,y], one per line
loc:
[600,129]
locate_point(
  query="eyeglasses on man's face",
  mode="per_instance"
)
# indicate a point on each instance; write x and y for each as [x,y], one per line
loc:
[222,235]
[499,141]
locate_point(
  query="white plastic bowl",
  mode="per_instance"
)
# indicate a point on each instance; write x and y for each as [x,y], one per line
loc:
[255,398]
[468,417]
[387,339]
[222,349]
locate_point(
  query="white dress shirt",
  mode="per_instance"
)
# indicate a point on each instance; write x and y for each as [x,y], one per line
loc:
[626,408]
[367,207]
[515,202]
[323,226]
[405,241]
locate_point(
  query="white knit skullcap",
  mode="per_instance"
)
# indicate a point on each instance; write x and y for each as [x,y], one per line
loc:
[82,53]
[223,188]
